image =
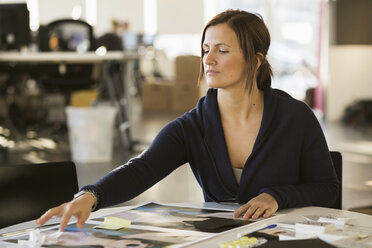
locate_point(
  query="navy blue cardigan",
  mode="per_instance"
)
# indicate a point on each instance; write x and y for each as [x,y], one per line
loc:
[290,159]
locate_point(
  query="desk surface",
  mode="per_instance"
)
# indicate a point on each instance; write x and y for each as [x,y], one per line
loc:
[292,215]
[67,57]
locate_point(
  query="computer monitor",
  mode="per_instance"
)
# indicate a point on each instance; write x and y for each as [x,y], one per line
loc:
[130,41]
[14,26]
[147,40]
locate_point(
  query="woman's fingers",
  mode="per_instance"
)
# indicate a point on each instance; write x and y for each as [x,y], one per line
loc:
[251,210]
[268,213]
[259,211]
[262,205]
[57,211]
[62,211]
[64,220]
[79,207]
[241,210]
[82,219]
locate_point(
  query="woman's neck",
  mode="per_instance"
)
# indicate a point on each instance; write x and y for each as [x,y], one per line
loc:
[240,106]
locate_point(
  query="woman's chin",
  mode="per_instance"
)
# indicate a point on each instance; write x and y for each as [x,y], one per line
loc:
[212,84]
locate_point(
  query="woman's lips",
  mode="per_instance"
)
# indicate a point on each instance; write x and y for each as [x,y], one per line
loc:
[211,72]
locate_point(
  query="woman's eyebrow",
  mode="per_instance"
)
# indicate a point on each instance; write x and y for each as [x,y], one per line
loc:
[217,45]
[222,44]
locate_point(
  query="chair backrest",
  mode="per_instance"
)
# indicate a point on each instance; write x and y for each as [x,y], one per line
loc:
[28,190]
[66,35]
[337,163]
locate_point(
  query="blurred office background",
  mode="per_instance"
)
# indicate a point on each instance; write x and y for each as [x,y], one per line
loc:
[321,53]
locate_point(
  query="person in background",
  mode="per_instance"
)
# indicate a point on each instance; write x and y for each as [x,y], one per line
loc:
[112,40]
[245,142]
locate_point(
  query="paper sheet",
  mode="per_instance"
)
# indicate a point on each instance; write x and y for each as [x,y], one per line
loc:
[38,239]
[114,223]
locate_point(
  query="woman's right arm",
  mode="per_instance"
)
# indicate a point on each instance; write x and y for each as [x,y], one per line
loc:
[166,153]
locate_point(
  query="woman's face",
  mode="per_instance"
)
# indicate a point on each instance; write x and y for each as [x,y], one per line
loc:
[223,60]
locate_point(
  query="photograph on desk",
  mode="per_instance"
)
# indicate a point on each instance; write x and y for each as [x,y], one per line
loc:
[150,224]
[91,236]
[182,218]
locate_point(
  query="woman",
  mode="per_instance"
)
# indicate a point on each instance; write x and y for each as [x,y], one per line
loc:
[244,141]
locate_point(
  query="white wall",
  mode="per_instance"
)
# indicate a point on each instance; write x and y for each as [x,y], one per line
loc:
[350,78]
[124,10]
[50,10]
[180,17]
[173,16]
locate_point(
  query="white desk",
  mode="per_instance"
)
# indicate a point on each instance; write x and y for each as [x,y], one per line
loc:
[119,99]
[358,220]
[65,57]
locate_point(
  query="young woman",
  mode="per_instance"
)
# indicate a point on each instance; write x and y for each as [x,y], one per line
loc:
[244,141]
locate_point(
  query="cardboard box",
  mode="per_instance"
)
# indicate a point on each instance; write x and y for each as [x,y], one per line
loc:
[156,95]
[203,88]
[184,97]
[187,69]
[83,98]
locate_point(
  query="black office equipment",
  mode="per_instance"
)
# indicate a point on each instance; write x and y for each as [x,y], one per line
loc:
[337,163]
[146,40]
[28,190]
[66,35]
[14,26]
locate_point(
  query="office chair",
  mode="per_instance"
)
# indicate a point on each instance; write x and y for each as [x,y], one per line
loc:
[28,190]
[337,163]
[70,34]
[66,35]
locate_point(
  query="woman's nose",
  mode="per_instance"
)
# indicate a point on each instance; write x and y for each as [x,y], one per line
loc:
[209,58]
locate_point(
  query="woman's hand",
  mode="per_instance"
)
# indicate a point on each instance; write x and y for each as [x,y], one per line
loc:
[79,207]
[262,205]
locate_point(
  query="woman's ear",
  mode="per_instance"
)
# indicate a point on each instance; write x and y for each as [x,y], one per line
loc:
[260,57]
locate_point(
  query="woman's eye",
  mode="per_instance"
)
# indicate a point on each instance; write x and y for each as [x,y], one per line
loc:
[223,51]
[206,51]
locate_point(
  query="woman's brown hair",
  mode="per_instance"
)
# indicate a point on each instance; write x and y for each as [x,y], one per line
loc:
[253,37]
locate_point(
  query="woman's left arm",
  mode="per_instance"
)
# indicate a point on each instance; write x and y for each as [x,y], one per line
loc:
[318,184]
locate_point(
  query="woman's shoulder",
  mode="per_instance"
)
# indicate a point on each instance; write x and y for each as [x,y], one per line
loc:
[203,112]
[207,102]
[289,101]
[291,106]
[191,117]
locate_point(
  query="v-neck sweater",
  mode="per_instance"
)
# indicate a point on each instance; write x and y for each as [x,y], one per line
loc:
[290,159]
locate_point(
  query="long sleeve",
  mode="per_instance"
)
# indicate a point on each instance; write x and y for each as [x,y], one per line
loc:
[166,153]
[318,184]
